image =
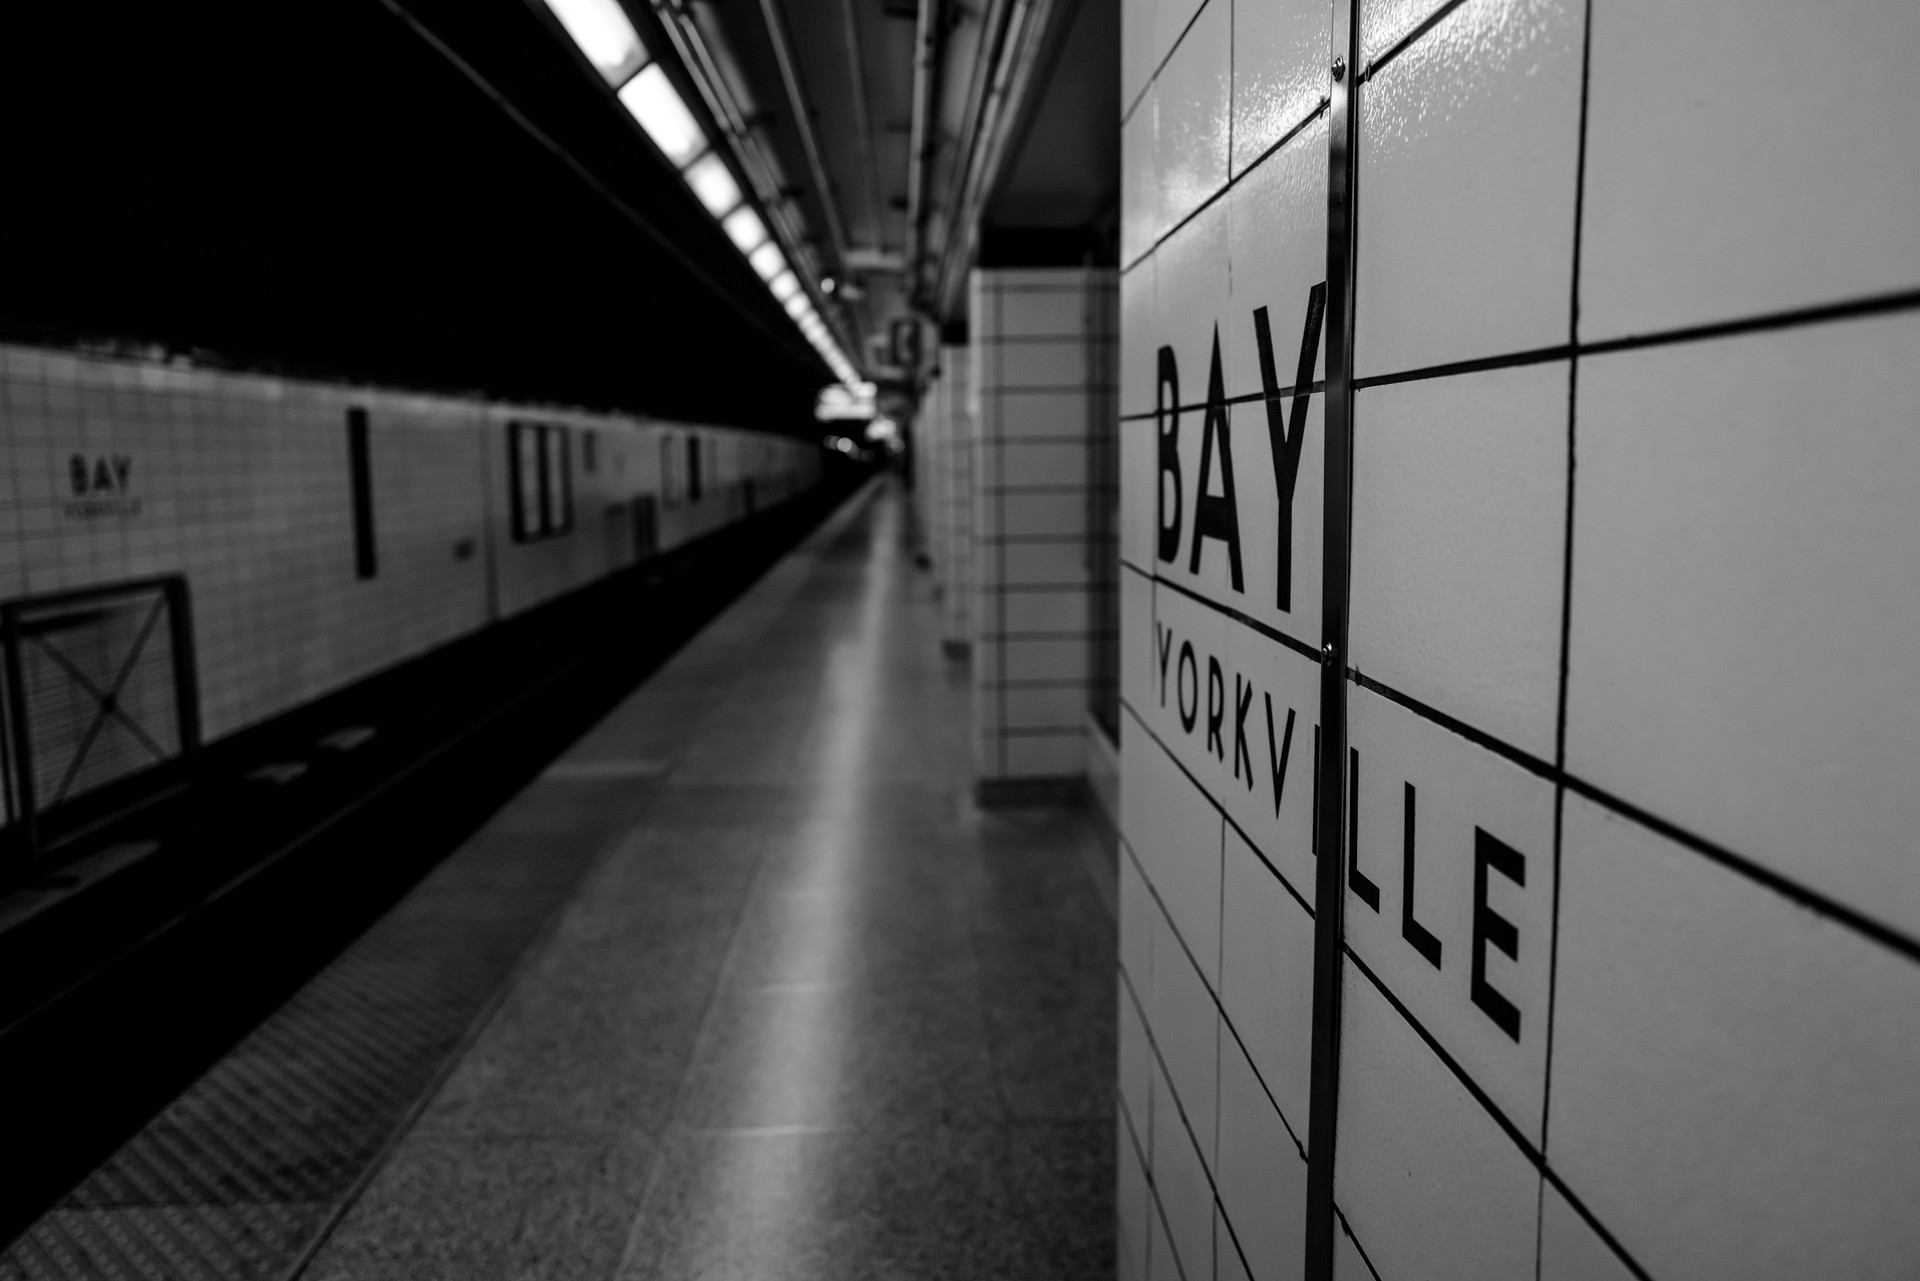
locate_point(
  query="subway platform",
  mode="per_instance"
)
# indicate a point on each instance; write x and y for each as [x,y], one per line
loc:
[807,1011]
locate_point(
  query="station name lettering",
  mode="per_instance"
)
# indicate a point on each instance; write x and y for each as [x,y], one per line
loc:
[1216,516]
[1216,705]
[100,485]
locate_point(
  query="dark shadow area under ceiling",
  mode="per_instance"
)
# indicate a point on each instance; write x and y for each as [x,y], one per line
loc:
[1057,202]
[320,189]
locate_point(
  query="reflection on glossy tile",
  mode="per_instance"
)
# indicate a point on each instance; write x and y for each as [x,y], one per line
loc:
[1280,56]
[1193,107]
[1469,143]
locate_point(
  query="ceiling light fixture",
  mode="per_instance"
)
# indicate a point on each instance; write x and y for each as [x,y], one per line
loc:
[606,37]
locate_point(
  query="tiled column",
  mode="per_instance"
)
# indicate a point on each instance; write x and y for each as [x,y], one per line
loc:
[928,435]
[1043,377]
[954,561]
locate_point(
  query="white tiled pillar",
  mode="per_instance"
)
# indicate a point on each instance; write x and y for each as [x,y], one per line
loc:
[1043,374]
[929,456]
[954,518]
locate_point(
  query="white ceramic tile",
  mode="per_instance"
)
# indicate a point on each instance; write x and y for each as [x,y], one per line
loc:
[1427,1179]
[1139,183]
[1746,589]
[1193,109]
[1136,643]
[1261,1176]
[1041,363]
[1052,756]
[1468,151]
[1733,1075]
[1010,415]
[1043,708]
[1038,306]
[1747,158]
[1050,465]
[1018,515]
[1186,1027]
[1136,1054]
[1281,52]
[1186,1198]
[1057,609]
[1175,833]
[1385,23]
[1135,1217]
[1138,341]
[1139,471]
[1266,975]
[1056,564]
[1227,1264]
[1570,1250]
[1054,659]
[1459,528]
[1137,907]
[1348,1263]
[1461,791]
[1277,241]
[1161,1263]
[1136,51]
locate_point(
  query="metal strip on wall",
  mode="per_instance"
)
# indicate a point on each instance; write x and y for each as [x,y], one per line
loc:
[1329,928]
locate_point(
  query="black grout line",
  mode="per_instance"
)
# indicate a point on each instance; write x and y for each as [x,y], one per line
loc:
[1271,633]
[1599,1229]
[1480,1096]
[1473,1087]
[1242,398]
[1153,1189]
[1405,42]
[1225,817]
[1478,737]
[1886,935]
[1179,1104]
[1153,891]
[1153,1044]
[1354,1237]
[1566,621]
[1161,65]
[1233,180]
[1821,313]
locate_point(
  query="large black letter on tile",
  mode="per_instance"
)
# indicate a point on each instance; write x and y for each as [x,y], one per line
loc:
[1166,417]
[1285,437]
[1489,927]
[1216,516]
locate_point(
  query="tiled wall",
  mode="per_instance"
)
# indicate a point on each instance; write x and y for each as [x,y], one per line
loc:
[1043,382]
[1631,984]
[241,483]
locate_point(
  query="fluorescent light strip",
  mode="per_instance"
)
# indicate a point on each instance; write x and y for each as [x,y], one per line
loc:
[767,260]
[713,182]
[650,98]
[606,37]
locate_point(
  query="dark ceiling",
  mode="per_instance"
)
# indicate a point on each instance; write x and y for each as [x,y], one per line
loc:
[327,189]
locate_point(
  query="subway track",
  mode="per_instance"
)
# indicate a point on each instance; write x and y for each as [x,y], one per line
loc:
[203,1055]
